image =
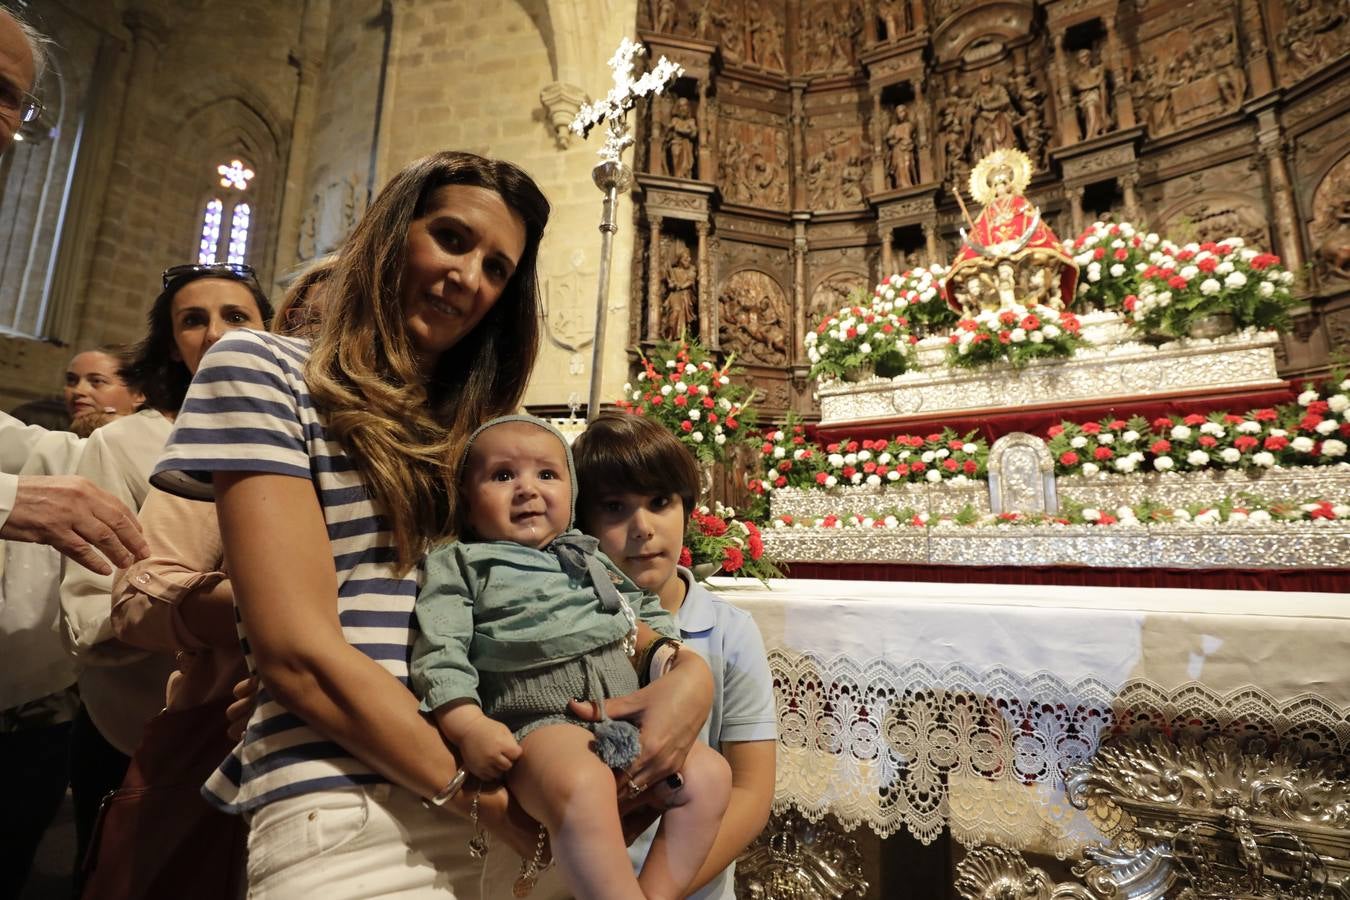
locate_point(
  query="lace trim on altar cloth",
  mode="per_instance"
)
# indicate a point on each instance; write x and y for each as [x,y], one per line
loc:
[906,745]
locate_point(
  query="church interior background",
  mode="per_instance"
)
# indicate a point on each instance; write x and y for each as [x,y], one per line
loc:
[810,149]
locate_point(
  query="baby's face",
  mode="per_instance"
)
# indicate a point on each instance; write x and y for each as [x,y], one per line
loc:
[517,485]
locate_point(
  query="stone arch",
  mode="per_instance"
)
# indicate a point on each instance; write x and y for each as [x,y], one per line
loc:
[1217,214]
[833,284]
[1328,219]
[985,29]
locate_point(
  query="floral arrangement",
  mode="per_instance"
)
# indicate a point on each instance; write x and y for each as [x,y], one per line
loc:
[1182,285]
[1244,510]
[917,295]
[1111,256]
[860,338]
[1314,431]
[716,539]
[1017,334]
[790,460]
[680,387]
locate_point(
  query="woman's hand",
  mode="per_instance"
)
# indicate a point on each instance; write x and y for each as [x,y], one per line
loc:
[669,713]
[507,821]
[240,710]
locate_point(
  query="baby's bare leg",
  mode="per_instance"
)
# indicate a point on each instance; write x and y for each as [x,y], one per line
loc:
[687,831]
[560,782]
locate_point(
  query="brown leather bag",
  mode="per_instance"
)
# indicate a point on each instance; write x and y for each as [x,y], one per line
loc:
[156,836]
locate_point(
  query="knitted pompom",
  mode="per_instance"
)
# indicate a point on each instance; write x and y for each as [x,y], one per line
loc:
[616,743]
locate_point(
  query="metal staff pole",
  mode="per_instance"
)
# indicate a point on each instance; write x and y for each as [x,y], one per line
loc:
[612,177]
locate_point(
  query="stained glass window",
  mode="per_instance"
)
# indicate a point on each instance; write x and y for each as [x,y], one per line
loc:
[211,231]
[238,233]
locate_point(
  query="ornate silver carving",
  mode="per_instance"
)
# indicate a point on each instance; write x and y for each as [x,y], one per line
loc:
[1021,475]
[1183,489]
[798,860]
[1231,820]
[994,873]
[1102,372]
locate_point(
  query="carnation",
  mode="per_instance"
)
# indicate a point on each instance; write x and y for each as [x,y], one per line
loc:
[1333,448]
[1263,459]
[1162,463]
[1197,458]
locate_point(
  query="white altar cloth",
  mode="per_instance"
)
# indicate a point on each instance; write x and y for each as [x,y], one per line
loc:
[920,705]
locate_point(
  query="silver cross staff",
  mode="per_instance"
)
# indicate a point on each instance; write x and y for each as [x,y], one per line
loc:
[611,175]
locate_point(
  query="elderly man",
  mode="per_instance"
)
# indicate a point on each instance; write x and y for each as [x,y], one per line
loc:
[66,512]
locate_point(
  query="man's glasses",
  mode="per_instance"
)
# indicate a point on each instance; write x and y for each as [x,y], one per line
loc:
[15,100]
[228,270]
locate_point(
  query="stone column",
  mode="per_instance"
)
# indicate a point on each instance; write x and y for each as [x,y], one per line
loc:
[799,298]
[1120,97]
[924,134]
[704,172]
[308,61]
[870,36]
[797,121]
[1287,236]
[654,277]
[930,237]
[878,146]
[147,37]
[1260,74]
[1128,182]
[1067,118]
[704,291]
[1075,195]
[916,12]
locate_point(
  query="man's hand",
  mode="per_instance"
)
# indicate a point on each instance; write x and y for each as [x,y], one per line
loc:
[71,514]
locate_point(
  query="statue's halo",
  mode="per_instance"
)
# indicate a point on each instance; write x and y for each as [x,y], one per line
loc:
[1014,159]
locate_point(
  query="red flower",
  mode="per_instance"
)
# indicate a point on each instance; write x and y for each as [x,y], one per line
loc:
[932,439]
[1118,425]
[1208,264]
[1323,511]
[780,481]
[766,448]
[732,559]
[1030,322]
[950,464]
[831,448]
[1160,447]
[687,558]
[955,444]
[1068,458]
[732,424]
[969,467]
[1092,428]
[1230,419]
[1054,431]
[852,446]
[1107,519]
[693,390]
[821,477]
[1162,423]
[1265,415]
[1007,317]
[712,526]
[917,466]
[1207,441]
[785,465]
[1099,253]
[849,471]
[830,521]
[1276,442]
[1005,337]
[712,418]
[1264,261]
[1309,422]
[687,426]
[755,545]
[852,332]
[869,467]
[1245,442]
[1193,419]
[681,400]
[1121,254]
[709,403]
[1319,406]
[903,469]
[1130,302]
[1177,283]
[1103,453]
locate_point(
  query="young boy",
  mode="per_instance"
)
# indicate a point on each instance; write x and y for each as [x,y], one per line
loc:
[516,618]
[638,487]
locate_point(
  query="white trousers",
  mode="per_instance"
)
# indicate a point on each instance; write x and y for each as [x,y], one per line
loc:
[359,843]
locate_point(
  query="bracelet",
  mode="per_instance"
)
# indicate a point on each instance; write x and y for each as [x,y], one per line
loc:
[663,658]
[645,667]
[447,793]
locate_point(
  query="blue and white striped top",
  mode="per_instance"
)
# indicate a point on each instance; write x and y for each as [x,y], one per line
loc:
[248,410]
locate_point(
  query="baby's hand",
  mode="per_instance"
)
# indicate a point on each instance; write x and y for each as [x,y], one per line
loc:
[489,749]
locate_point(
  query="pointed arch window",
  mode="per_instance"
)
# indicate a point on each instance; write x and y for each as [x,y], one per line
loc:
[227,204]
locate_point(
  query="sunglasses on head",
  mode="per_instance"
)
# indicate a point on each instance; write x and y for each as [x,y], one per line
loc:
[228,270]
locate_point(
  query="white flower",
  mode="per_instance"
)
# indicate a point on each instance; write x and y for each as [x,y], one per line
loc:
[892,475]
[1162,463]
[1326,426]
[864,455]
[1188,272]
[1224,268]
[1092,515]
[1235,280]
[642,376]
[1258,517]
[1210,286]
[1333,448]
[1181,515]
[1117,270]
[681,387]
[1278,432]
[831,481]
[670,364]
[1301,444]
[1106,437]
[1197,458]
[942,453]
[778,452]
[1307,397]
[1125,463]
[1094,272]
[1090,469]
[1180,432]
[1208,517]
[1265,289]
[874,479]
[864,347]
[1263,459]
[933,475]
[665,390]
[1037,337]
[968,448]
[1050,331]
[1213,428]
[1078,442]
[697,436]
[1251,426]
[890,521]
[703,389]
[885,459]
[836,460]
[695,415]
[720,439]
[1019,335]
[1338,403]
[1230,454]
[927,456]
[1286,277]
[724,380]
[1129,436]
[637,395]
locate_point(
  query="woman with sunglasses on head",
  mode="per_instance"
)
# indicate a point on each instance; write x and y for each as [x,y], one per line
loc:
[123,687]
[336,484]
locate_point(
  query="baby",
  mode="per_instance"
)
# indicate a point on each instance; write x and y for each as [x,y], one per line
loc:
[524,615]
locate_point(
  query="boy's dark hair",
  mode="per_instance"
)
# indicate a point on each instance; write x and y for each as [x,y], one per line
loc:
[621,452]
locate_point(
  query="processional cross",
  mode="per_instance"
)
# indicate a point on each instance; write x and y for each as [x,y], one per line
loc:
[611,175]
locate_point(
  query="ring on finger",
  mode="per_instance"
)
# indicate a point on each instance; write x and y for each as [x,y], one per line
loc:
[635,787]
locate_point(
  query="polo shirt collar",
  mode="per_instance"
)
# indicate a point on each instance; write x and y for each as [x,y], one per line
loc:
[696,613]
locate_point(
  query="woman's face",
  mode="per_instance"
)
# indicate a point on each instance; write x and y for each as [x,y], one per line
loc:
[205,309]
[460,257]
[94,386]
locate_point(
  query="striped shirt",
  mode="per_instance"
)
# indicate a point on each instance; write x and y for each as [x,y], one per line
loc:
[248,410]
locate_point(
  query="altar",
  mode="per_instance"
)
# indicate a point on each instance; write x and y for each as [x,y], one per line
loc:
[923,706]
